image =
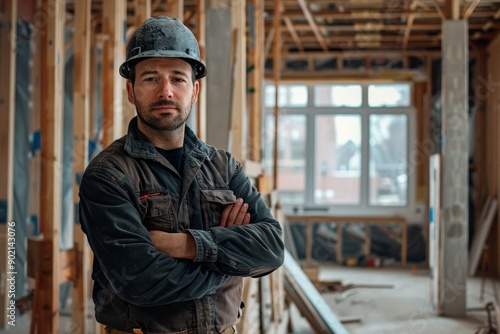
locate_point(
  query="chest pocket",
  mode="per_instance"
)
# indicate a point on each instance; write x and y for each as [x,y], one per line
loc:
[157,212]
[213,202]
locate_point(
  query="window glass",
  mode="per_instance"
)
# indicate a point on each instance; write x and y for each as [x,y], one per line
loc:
[289,96]
[389,95]
[292,156]
[388,164]
[338,159]
[338,96]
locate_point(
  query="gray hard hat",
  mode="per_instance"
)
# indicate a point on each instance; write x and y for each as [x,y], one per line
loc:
[163,37]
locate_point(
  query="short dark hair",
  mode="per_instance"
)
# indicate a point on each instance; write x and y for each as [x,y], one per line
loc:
[132,73]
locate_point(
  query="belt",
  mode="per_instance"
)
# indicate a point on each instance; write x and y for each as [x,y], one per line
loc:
[109,330]
[229,330]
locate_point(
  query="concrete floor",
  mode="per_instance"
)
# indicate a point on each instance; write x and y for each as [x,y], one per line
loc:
[403,309]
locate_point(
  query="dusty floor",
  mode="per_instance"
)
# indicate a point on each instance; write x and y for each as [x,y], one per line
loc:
[403,309]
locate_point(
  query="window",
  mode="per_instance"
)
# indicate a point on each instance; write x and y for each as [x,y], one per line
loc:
[338,149]
[291,158]
[289,96]
[388,159]
[389,95]
[337,159]
[338,96]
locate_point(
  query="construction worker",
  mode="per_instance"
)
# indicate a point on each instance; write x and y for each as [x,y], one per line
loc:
[174,223]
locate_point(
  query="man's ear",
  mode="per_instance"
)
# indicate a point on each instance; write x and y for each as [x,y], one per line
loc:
[130,92]
[196,91]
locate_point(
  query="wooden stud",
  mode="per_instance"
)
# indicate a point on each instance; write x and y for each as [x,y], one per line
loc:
[175,8]
[311,220]
[142,11]
[81,115]
[276,77]
[238,107]
[46,312]
[8,45]
[201,106]
[113,57]
[256,78]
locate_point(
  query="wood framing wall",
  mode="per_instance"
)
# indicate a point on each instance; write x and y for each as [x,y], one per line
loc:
[492,158]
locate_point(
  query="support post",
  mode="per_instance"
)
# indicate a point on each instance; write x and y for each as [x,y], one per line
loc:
[256,79]
[238,108]
[81,117]
[276,75]
[46,315]
[113,56]
[8,36]
[175,8]
[455,166]
[201,106]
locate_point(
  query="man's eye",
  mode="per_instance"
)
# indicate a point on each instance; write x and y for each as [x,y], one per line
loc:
[150,79]
[178,79]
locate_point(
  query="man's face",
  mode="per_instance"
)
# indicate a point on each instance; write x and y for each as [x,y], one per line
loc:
[163,93]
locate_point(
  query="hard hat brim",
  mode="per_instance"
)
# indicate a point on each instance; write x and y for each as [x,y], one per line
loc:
[199,68]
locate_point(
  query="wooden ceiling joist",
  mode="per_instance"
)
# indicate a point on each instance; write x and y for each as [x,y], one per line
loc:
[293,33]
[312,24]
[470,10]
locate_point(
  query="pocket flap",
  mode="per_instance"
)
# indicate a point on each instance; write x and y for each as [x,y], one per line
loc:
[219,196]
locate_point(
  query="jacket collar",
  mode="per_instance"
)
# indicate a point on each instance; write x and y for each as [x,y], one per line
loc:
[138,146]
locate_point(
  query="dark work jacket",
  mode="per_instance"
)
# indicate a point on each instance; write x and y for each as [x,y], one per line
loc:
[129,189]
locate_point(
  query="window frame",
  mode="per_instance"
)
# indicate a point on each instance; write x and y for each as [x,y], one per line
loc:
[363,207]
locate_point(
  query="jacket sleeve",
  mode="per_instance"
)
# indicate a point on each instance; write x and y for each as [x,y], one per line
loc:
[136,271]
[252,250]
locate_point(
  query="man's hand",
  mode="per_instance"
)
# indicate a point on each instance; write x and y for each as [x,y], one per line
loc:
[235,214]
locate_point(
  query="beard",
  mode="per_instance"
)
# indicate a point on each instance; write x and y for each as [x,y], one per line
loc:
[163,122]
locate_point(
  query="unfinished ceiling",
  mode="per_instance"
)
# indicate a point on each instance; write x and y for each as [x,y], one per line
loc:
[334,35]
[365,34]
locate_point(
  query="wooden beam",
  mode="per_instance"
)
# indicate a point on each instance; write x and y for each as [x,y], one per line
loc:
[201,106]
[238,108]
[112,82]
[8,45]
[406,37]
[470,10]
[269,42]
[142,11]
[256,79]
[46,313]
[175,8]
[276,77]
[293,33]
[81,116]
[312,23]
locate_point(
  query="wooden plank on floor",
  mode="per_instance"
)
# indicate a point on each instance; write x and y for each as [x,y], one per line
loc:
[309,300]
[479,240]
[46,312]
[8,43]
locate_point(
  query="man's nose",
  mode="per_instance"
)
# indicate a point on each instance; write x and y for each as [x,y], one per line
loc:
[166,89]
